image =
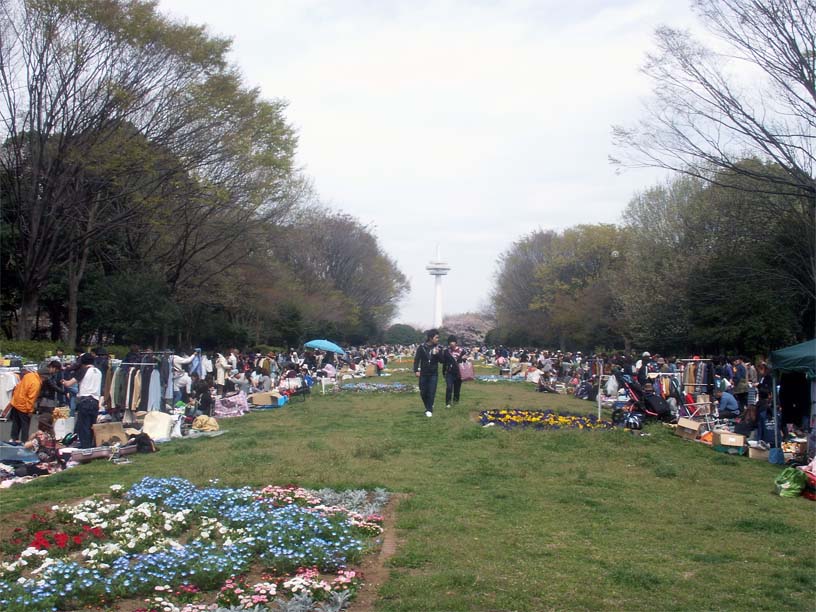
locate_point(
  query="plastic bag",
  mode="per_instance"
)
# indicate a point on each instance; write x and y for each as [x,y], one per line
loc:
[790,483]
[612,387]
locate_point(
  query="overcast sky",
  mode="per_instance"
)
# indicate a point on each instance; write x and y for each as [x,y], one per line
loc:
[461,123]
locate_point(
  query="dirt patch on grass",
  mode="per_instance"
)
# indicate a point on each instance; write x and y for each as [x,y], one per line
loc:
[374,569]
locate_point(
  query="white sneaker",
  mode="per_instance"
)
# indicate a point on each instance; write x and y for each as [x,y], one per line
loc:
[428,413]
[448,406]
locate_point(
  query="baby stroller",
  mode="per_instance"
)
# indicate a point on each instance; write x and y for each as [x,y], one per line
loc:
[641,406]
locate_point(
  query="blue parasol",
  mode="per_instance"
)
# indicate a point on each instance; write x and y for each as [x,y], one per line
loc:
[325,345]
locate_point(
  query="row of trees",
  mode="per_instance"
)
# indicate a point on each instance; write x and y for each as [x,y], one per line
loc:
[723,257]
[149,195]
[693,266]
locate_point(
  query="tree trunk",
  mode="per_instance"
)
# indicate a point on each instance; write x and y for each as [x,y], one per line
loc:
[28,308]
[76,268]
[55,315]
[73,307]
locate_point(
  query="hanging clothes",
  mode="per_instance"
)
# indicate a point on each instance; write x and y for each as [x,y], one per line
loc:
[197,365]
[107,389]
[154,395]
[8,380]
[172,365]
[136,391]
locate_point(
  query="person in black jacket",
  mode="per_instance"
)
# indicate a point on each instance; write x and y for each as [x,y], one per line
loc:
[426,368]
[451,359]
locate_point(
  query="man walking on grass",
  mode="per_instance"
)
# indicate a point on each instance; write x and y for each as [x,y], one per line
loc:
[426,367]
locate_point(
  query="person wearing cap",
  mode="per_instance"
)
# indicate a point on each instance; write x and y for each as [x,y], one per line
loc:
[23,400]
[87,399]
[643,369]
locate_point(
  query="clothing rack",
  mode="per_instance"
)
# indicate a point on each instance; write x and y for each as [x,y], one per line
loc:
[155,365]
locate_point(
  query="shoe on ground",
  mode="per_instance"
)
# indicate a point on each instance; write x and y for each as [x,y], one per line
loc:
[448,406]
[428,413]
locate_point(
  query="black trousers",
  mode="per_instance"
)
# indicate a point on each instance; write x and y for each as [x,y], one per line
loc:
[20,424]
[86,413]
[453,385]
[427,389]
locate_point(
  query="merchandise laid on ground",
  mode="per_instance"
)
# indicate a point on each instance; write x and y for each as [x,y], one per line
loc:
[187,548]
[379,387]
[124,428]
[496,378]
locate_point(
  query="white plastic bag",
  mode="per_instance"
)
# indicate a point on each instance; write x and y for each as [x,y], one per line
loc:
[612,387]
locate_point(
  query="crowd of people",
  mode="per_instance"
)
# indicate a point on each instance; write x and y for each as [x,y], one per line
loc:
[198,379]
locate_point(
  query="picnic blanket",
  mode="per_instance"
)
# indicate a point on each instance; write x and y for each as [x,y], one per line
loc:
[231,406]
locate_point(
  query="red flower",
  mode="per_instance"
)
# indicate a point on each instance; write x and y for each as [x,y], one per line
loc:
[41,541]
[77,540]
[61,539]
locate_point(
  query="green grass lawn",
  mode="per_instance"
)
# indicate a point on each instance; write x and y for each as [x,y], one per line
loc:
[514,520]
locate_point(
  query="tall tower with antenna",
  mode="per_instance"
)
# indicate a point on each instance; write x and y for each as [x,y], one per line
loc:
[437,268]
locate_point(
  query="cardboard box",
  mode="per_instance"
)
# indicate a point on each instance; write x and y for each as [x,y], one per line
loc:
[726,438]
[264,399]
[758,453]
[687,429]
[106,432]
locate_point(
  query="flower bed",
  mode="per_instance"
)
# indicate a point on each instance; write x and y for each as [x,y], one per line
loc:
[379,388]
[170,541]
[541,419]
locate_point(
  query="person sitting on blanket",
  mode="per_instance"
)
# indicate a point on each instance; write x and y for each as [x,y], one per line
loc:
[200,391]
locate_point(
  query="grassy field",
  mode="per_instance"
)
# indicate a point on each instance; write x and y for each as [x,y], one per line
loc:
[514,520]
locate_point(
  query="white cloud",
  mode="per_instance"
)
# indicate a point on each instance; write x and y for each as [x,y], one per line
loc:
[461,123]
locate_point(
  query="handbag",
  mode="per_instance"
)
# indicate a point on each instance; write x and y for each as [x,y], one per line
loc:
[466,371]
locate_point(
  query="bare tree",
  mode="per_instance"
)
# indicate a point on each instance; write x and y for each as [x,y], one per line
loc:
[703,120]
[755,134]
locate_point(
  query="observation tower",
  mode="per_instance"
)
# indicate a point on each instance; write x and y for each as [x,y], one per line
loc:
[437,268]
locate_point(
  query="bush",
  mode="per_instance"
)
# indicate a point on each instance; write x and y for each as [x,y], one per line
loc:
[30,350]
[38,350]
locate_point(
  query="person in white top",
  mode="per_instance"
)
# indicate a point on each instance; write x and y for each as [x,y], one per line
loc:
[222,368]
[90,383]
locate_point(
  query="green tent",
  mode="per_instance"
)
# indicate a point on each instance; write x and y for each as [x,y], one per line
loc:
[796,358]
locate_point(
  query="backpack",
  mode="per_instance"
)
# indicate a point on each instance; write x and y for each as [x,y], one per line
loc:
[656,404]
[143,443]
